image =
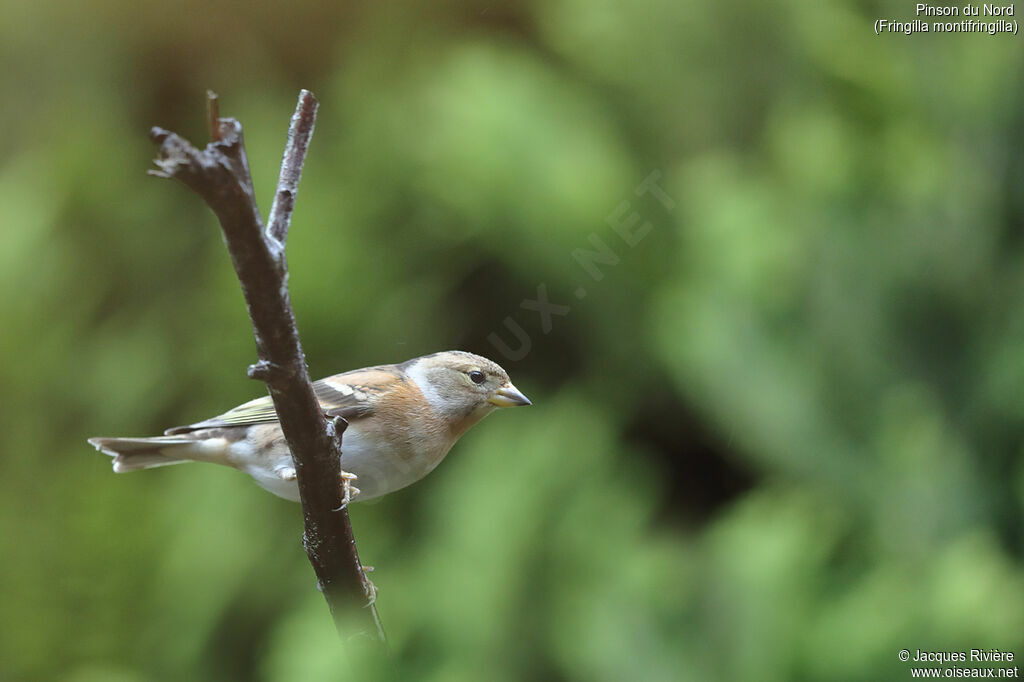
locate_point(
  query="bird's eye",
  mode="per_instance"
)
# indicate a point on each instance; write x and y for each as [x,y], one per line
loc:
[477,377]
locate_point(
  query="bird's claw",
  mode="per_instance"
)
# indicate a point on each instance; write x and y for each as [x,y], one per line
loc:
[349,491]
[370,587]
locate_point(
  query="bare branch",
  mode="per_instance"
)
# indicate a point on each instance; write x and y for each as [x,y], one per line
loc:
[220,175]
[213,113]
[299,133]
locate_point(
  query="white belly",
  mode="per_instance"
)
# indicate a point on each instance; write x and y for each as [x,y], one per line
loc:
[379,470]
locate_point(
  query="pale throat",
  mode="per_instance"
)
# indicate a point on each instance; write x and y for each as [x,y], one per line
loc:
[460,425]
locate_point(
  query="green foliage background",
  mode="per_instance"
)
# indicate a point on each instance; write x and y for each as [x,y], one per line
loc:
[779,440]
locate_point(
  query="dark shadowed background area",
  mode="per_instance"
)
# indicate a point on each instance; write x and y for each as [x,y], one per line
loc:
[777,421]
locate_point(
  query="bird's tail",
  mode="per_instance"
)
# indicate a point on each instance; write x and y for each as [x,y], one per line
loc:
[132,454]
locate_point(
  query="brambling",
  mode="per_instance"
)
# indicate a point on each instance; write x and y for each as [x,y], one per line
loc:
[403,419]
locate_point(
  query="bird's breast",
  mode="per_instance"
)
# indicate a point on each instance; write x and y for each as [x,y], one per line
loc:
[389,461]
[384,460]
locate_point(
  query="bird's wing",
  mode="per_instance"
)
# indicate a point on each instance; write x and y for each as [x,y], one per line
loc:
[351,395]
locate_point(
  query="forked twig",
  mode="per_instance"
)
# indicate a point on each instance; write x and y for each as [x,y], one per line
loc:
[220,175]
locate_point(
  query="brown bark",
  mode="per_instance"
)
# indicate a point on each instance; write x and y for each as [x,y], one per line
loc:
[220,175]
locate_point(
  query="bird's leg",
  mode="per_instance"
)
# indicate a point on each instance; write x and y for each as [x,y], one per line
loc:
[348,490]
[371,588]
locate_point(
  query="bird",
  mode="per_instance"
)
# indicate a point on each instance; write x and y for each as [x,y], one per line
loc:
[402,421]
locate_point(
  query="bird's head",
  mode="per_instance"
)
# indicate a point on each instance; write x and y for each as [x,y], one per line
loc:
[460,384]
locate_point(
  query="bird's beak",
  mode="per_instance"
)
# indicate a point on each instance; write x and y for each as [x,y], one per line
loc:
[508,396]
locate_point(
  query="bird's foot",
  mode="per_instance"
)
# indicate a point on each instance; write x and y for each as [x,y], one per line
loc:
[348,491]
[371,589]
